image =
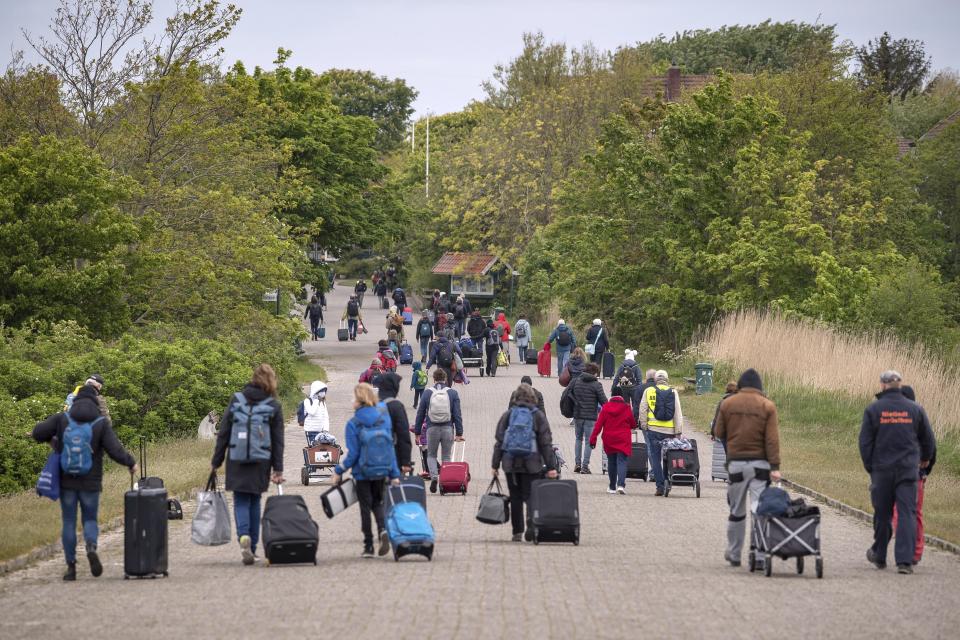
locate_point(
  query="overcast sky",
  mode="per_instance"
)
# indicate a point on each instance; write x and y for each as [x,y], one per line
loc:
[446,48]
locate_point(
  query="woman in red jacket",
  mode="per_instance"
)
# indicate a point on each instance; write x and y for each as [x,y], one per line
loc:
[505,336]
[615,422]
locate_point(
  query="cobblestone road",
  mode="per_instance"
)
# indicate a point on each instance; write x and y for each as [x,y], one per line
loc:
[646,567]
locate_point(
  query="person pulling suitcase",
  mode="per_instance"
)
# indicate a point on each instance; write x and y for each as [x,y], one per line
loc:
[252,431]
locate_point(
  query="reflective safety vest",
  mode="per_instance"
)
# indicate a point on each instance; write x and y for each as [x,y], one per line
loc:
[651,395]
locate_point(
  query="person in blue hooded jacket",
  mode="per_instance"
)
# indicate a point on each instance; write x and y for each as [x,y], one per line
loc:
[566,342]
[370,490]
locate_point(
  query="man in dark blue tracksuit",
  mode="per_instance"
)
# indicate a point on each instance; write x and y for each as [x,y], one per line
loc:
[895,441]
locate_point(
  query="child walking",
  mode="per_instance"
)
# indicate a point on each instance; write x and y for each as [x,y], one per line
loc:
[418,382]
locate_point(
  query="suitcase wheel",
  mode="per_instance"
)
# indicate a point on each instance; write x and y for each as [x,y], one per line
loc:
[752,561]
[304,476]
[768,566]
[698,488]
[800,565]
[819,567]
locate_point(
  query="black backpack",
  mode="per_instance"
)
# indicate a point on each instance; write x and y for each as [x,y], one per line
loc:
[564,338]
[666,406]
[445,356]
[628,379]
[567,404]
[353,308]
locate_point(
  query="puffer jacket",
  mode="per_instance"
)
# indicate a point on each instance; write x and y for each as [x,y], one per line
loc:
[615,423]
[530,464]
[316,416]
[588,397]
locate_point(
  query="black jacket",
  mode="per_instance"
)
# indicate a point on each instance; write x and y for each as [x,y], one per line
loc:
[587,396]
[401,431]
[895,433]
[315,311]
[477,329]
[424,321]
[530,464]
[400,299]
[539,400]
[380,289]
[85,409]
[250,477]
[602,344]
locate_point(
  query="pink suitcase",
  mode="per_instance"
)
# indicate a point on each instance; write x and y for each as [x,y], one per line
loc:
[455,476]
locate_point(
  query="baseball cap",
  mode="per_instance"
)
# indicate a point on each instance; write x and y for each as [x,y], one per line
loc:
[890,375]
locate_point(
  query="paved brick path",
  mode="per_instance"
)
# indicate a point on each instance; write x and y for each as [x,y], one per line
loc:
[646,567]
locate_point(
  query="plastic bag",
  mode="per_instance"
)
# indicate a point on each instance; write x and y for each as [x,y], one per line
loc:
[211,523]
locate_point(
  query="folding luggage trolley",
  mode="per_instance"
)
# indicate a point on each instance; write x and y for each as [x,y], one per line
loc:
[785,538]
[472,354]
[681,467]
[319,461]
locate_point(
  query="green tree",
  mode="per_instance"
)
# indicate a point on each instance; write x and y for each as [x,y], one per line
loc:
[919,112]
[937,163]
[896,67]
[389,103]
[62,236]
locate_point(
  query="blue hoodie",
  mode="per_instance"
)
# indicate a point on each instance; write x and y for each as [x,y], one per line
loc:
[417,366]
[364,417]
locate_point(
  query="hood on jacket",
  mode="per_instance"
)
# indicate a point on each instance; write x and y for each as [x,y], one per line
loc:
[85,407]
[254,393]
[750,379]
[367,416]
[417,365]
[587,377]
[389,385]
[316,387]
[501,317]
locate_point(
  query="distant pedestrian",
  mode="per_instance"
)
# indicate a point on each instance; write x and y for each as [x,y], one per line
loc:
[380,290]
[596,342]
[395,322]
[615,424]
[444,355]
[400,299]
[574,367]
[896,441]
[353,317]
[524,335]
[418,382]
[81,476]
[360,289]
[477,330]
[747,422]
[440,414]
[389,388]
[921,486]
[315,311]
[730,389]
[316,418]
[627,380]
[369,473]
[566,342]
[536,392]
[254,409]
[492,348]
[660,425]
[588,397]
[521,471]
[425,334]
[371,374]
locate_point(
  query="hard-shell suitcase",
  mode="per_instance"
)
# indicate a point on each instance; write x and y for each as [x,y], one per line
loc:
[406,353]
[608,366]
[145,526]
[543,363]
[531,355]
[289,534]
[637,463]
[407,316]
[719,467]
[408,527]
[343,334]
[455,476]
[386,303]
[555,507]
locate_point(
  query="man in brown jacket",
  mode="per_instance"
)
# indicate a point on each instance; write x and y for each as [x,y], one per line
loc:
[747,421]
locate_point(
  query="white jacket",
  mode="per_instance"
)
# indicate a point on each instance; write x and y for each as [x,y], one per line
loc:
[316,417]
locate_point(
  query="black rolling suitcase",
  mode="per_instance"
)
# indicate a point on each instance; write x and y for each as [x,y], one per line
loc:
[343,334]
[289,533]
[637,463]
[145,526]
[607,365]
[555,506]
[410,489]
[531,355]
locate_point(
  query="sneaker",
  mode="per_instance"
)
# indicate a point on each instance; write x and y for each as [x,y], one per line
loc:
[585,470]
[874,560]
[659,492]
[384,544]
[905,569]
[528,535]
[622,491]
[71,573]
[246,553]
[367,551]
[576,469]
[433,486]
[517,537]
[733,562]
[96,567]
[611,490]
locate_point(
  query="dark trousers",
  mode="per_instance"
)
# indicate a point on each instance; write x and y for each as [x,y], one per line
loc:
[417,393]
[315,326]
[891,487]
[492,351]
[519,485]
[370,497]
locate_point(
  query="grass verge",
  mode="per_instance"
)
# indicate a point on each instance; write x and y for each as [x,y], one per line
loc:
[31,522]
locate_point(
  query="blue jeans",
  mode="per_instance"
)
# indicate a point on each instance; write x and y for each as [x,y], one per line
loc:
[562,357]
[654,446]
[352,324]
[583,429]
[617,469]
[424,346]
[246,511]
[89,502]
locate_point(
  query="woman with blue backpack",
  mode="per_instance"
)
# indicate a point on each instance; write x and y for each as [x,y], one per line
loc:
[250,438]
[523,447]
[372,460]
[80,436]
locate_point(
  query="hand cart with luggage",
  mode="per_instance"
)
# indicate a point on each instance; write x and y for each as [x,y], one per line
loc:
[319,459]
[471,354]
[785,537]
[681,467]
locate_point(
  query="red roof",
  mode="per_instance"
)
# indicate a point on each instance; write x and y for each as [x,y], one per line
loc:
[462,263]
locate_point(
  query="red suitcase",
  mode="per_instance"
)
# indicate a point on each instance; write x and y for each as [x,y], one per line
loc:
[543,361]
[455,476]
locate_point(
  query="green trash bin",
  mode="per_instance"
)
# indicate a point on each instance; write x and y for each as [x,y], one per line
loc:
[704,376]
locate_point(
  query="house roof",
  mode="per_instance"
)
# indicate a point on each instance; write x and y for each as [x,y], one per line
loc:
[939,128]
[905,146]
[687,83]
[464,263]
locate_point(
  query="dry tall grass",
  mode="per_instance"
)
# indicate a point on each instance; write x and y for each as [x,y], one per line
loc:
[803,353]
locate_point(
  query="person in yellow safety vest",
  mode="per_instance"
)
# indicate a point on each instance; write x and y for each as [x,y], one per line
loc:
[656,431]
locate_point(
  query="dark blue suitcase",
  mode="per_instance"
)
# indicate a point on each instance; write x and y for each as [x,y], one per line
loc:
[406,353]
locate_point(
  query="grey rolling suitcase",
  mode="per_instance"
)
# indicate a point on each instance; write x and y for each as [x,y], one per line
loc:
[555,505]
[718,470]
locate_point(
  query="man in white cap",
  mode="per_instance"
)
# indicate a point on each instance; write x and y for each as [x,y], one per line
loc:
[896,441]
[660,419]
[596,342]
[566,342]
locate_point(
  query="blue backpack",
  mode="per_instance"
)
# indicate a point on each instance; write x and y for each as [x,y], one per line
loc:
[76,456]
[301,413]
[250,431]
[665,406]
[407,522]
[520,440]
[376,447]
[774,501]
